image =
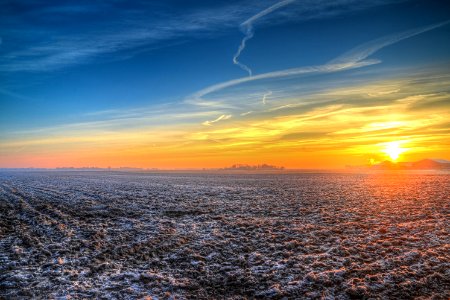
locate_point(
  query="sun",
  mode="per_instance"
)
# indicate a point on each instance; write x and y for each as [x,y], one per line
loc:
[393,150]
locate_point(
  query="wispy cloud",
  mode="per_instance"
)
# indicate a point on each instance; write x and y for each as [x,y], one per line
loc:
[344,121]
[365,50]
[355,58]
[43,47]
[186,113]
[246,113]
[265,96]
[328,68]
[221,118]
[14,95]
[111,30]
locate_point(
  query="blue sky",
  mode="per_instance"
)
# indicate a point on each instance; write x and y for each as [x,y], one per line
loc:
[78,63]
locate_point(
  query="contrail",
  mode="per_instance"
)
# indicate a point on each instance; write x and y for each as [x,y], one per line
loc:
[196,98]
[265,97]
[355,58]
[248,35]
[247,29]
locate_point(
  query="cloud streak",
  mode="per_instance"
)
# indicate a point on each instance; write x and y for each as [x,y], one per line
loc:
[299,128]
[248,30]
[327,68]
[367,49]
[355,58]
[269,93]
[45,45]
[221,118]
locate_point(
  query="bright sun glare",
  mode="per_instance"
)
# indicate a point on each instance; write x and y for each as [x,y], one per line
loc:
[393,150]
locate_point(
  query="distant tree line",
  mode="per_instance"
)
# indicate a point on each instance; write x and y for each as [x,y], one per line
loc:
[253,167]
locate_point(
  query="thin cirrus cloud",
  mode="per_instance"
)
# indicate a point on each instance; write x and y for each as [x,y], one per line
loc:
[40,46]
[284,112]
[221,118]
[188,114]
[365,50]
[408,99]
[354,58]
[46,48]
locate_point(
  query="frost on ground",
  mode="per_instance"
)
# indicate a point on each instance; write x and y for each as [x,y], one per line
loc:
[122,235]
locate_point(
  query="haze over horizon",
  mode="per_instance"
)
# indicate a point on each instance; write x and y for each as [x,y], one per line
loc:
[194,84]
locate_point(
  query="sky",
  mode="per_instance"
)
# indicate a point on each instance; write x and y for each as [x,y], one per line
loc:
[206,84]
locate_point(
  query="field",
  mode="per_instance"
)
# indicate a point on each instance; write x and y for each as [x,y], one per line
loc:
[202,236]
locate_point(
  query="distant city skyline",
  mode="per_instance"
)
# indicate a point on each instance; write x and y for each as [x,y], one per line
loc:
[200,84]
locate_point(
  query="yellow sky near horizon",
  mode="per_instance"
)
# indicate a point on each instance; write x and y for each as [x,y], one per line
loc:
[353,125]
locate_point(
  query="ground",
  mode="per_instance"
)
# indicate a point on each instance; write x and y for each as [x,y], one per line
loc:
[214,236]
